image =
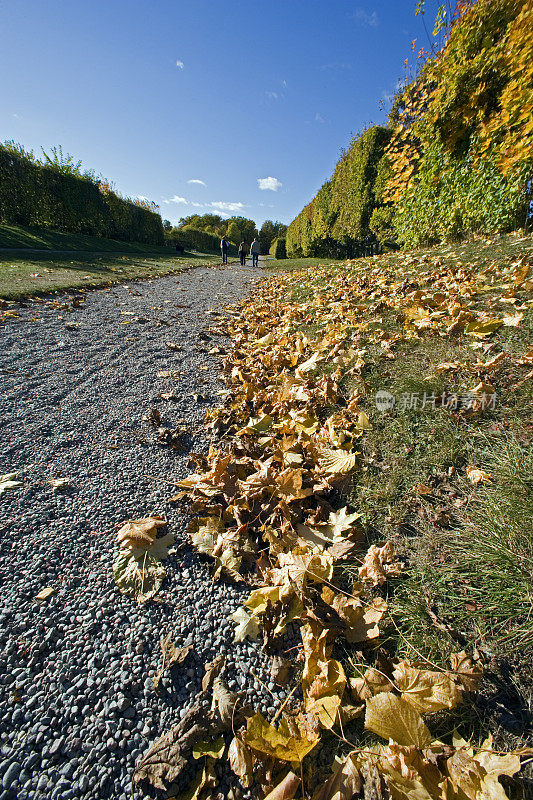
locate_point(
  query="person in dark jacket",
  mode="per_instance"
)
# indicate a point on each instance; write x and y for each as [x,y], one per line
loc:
[255,250]
[242,253]
[224,248]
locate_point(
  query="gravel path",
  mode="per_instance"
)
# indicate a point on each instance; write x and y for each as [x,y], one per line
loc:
[77,703]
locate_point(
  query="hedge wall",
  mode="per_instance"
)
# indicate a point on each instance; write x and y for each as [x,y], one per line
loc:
[457,156]
[40,196]
[337,221]
[192,239]
[278,248]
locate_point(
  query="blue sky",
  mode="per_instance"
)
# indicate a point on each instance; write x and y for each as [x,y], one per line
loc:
[224,106]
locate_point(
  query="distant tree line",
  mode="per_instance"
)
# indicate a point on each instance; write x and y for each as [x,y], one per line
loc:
[55,192]
[206,230]
[456,157]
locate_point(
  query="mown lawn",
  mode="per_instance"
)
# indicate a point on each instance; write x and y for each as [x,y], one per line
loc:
[467,548]
[34,262]
[40,273]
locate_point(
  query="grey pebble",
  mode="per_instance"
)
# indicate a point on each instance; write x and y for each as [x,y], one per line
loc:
[89,708]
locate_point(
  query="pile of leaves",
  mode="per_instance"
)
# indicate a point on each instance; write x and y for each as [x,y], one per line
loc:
[270,508]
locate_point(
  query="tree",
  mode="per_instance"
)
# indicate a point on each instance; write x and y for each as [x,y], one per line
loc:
[233,232]
[167,225]
[204,222]
[270,231]
[246,226]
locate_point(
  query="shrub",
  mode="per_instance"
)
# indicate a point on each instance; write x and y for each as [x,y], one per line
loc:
[381,225]
[336,223]
[43,196]
[278,248]
[192,239]
[461,154]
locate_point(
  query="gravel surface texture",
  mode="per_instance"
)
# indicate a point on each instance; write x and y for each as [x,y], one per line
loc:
[77,701]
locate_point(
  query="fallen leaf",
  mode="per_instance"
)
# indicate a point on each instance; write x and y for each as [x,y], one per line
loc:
[58,483]
[476,475]
[282,743]
[172,655]
[137,568]
[337,462]
[344,783]
[379,564]
[241,760]
[8,481]
[286,788]
[139,533]
[214,749]
[247,625]
[468,671]
[363,423]
[513,321]
[392,717]
[224,701]
[482,328]
[424,690]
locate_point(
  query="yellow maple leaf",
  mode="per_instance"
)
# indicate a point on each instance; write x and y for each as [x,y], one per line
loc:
[281,744]
[392,717]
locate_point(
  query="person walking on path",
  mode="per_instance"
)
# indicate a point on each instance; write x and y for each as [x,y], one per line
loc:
[224,248]
[242,253]
[254,250]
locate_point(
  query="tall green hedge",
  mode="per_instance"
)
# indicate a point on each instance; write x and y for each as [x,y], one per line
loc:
[337,221]
[278,248]
[40,196]
[192,239]
[457,156]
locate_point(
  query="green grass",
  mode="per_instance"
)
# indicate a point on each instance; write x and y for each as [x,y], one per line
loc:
[15,237]
[468,550]
[34,262]
[477,576]
[40,273]
[290,264]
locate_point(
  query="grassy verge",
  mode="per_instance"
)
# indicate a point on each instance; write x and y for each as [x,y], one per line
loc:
[16,237]
[468,548]
[34,262]
[40,273]
[376,465]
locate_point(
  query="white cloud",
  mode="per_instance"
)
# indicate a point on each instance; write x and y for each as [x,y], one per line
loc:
[196,180]
[177,199]
[319,118]
[221,206]
[180,64]
[269,183]
[362,16]
[284,83]
[272,95]
[141,197]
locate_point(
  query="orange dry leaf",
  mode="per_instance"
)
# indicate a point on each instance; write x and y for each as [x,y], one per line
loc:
[476,475]
[379,564]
